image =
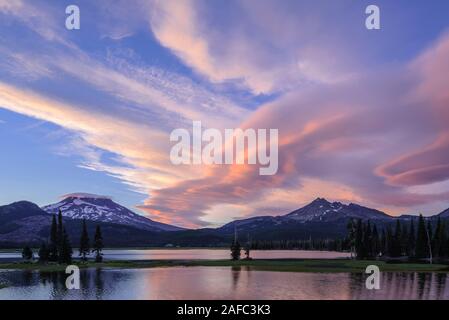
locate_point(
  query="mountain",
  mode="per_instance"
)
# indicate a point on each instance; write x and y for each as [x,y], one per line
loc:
[444,214]
[324,211]
[25,223]
[19,210]
[318,219]
[21,221]
[103,209]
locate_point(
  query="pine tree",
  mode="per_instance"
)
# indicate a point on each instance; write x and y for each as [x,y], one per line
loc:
[98,245]
[396,245]
[66,249]
[443,253]
[53,245]
[375,242]
[60,238]
[84,242]
[421,250]
[389,242]
[404,239]
[359,247]
[27,253]
[383,243]
[436,240]
[366,243]
[429,242]
[429,230]
[44,253]
[351,236]
[235,250]
[411,243]
[446,243]
[248,248]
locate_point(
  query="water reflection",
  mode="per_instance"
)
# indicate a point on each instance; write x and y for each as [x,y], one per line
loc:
[404,286]
[198,254]
[220,283]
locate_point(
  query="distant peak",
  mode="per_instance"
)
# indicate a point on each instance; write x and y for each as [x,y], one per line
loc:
[320,200]
[24,203]
[82,195]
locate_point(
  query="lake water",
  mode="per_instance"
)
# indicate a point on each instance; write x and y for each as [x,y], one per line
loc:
[199,254]
[216,282]
[220,283]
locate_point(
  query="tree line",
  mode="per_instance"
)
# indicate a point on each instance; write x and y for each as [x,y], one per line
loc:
[309,244]
[58,248]
[421,241]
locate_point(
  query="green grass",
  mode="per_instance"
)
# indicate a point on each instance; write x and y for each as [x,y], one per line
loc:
[286,265]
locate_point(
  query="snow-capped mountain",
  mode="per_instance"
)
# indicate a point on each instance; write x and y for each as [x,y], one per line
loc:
[322,210]
[103,209]
[320,218]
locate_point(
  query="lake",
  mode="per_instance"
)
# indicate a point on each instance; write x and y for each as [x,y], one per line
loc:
[217,283]
[198,254]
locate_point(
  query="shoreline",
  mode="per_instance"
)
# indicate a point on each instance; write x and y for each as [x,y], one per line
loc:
[280,265]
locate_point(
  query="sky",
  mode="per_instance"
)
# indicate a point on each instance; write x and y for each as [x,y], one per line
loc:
[362,114]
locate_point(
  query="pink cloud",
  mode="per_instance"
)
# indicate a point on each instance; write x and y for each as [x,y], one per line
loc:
[374,136]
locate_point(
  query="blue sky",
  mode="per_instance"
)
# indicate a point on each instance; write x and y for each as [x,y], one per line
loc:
[361,112]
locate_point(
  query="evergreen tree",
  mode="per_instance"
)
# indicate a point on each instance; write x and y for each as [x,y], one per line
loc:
[366,243]
[396,244]
[84,242]
[27,253]
[66,249]
[375,243]
[98,245]
[359,247]
[351,227]
[411,243]
[421,250]
[443,253]
[60,237]
[404,239]
[383,242]
[436,240]
[235,250]
[248,248]
[429,241]
[429,230]
[446,244]
[44,253]
[389,242]
[53,245]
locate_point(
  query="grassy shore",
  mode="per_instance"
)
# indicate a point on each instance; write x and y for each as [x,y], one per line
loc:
[286,265]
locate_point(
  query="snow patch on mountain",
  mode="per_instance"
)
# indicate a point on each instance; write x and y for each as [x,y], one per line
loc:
[103,209]
[84,195]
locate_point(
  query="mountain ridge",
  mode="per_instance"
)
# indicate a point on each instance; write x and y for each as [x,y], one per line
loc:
[24,222]
[104,209]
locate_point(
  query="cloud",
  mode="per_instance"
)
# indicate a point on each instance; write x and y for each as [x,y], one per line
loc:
[346,133]
[257,47]
[342,139]
[429,163]
[84,195]
[147,103]
[103,131]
